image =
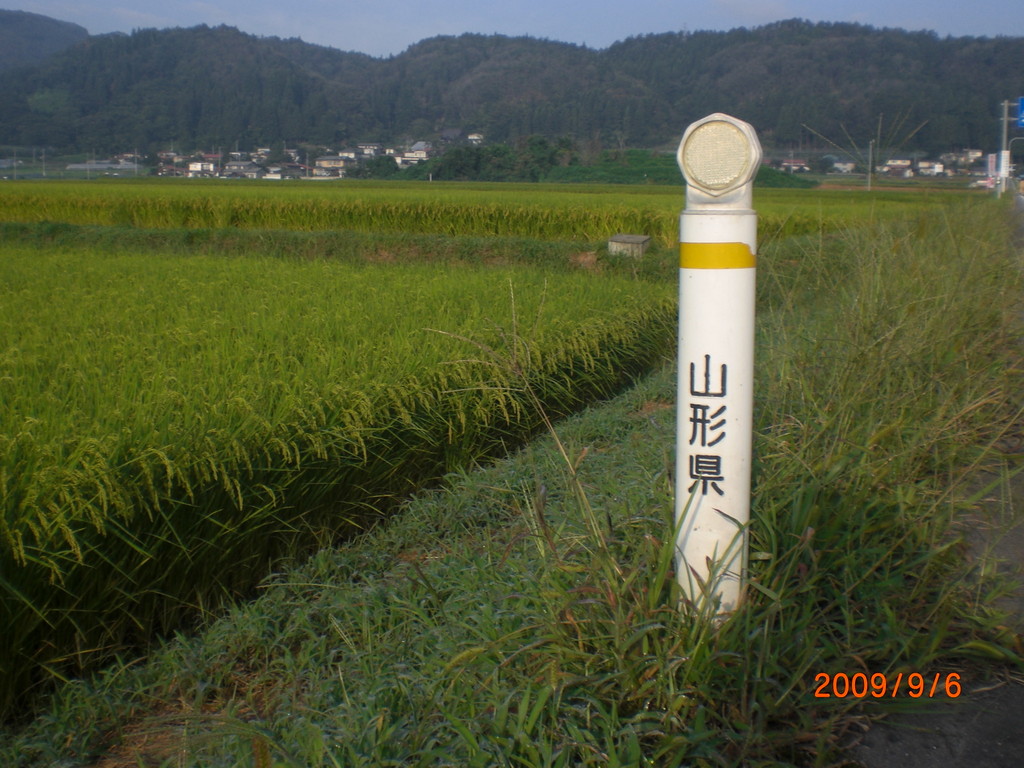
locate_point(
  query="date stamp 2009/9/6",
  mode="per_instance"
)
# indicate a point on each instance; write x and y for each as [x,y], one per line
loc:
[860,685]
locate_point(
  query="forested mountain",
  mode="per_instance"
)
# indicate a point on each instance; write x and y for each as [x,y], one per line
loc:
[28,38]
[217,87]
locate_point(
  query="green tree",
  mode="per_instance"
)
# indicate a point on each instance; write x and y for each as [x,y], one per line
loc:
[376,168]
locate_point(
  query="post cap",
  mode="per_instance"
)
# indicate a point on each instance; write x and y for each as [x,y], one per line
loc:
[719,155]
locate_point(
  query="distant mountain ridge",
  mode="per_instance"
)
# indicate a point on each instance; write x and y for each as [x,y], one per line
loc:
[218,87]
[28,38]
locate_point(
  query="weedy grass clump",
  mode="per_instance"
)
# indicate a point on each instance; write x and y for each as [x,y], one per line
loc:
[528,614]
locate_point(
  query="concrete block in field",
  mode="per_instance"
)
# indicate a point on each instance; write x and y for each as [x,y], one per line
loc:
[629,245]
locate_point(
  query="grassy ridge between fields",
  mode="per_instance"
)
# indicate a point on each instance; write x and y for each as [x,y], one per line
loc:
[171,424]
[527,615]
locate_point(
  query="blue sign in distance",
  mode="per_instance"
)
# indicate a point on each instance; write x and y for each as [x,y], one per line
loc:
[1020,113]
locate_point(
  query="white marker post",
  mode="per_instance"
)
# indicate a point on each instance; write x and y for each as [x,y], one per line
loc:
[719,157]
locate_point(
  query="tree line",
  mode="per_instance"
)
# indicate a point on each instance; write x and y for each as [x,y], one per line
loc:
[794,81]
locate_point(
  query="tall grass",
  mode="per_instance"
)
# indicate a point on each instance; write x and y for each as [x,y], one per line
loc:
[169,425]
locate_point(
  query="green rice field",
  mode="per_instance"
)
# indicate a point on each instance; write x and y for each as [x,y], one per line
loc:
[192,389]
[582,213]
[172,423]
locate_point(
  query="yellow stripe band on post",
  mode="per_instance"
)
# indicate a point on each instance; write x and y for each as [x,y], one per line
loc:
[716,256]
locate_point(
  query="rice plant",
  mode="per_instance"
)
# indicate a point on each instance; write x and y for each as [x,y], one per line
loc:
[553,212]
[169,425]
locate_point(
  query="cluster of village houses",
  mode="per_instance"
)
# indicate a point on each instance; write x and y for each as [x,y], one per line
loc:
[950,164]
[257,165]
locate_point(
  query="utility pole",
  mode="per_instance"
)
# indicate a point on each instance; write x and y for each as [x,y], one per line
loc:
[1003,154]
[871,161]
[1005,143]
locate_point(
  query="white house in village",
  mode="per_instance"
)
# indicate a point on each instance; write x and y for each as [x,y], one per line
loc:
[200,168]
[417,153]
[794,165]
[930,168]
[332,165]
[898,166]
[242,169]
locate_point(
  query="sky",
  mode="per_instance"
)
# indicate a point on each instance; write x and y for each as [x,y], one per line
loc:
[386,27]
